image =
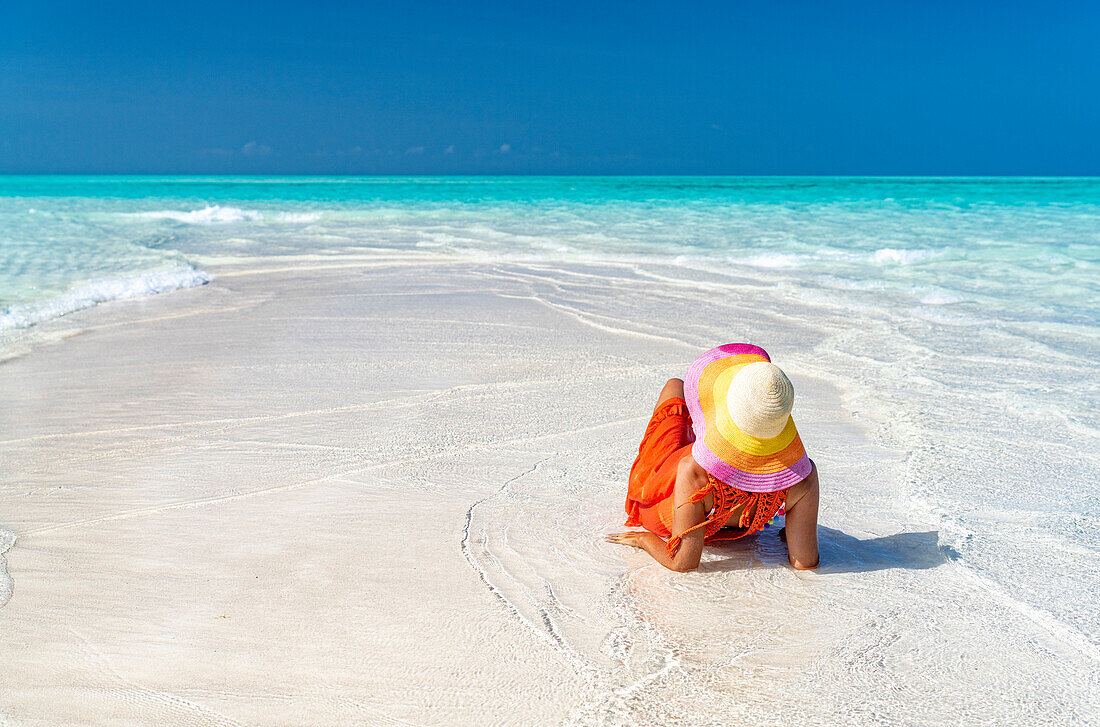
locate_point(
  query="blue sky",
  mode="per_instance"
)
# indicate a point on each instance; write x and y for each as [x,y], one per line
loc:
[403,87]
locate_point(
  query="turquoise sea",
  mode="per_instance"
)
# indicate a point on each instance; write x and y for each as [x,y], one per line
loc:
[962,315]
[1018,249]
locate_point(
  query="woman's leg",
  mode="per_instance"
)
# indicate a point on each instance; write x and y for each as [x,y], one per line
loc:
[661,440]
[673,389]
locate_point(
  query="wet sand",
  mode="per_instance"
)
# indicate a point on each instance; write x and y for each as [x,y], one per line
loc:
[374,492]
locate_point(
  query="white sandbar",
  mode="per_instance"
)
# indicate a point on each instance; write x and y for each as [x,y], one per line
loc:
[368,493]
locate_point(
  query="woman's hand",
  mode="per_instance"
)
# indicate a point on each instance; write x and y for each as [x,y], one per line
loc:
[655,546]
[634,538]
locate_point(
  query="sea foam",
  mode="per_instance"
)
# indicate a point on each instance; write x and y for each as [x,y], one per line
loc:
[219,214]
[92,292]
[209,215]
[772,260]
[902,257]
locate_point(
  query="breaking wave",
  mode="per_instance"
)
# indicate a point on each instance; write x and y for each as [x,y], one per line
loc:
[93,292]
[217,214]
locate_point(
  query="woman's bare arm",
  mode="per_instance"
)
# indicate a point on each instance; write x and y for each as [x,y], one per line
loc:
[689,478]
[800,528]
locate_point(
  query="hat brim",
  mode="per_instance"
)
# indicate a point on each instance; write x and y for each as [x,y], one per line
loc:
[724,450]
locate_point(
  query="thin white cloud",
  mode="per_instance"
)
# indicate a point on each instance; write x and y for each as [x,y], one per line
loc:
[450,149]
[254,148]
[505,148]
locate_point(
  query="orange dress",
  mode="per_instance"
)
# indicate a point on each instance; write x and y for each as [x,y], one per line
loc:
[649,497]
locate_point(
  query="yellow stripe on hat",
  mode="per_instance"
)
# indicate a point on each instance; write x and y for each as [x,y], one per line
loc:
[714,384]
[710,375]
[715,369]
[759,464]
[750,444]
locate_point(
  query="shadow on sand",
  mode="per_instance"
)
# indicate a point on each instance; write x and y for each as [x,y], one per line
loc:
[840,553]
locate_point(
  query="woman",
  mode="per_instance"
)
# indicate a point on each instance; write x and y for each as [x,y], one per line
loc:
[718,460]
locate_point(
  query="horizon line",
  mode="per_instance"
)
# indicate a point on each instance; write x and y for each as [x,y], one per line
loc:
[422,175]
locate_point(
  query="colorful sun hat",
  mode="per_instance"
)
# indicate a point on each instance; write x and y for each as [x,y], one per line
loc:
[740,405]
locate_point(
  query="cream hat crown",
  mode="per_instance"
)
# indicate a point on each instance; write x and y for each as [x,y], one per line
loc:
[760,399]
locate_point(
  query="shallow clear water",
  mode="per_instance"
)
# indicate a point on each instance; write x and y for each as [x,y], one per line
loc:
[958,319]
[1022,249]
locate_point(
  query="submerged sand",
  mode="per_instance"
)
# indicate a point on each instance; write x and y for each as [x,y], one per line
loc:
[374,492]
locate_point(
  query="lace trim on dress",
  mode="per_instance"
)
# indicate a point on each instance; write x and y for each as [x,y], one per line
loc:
[726,499]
